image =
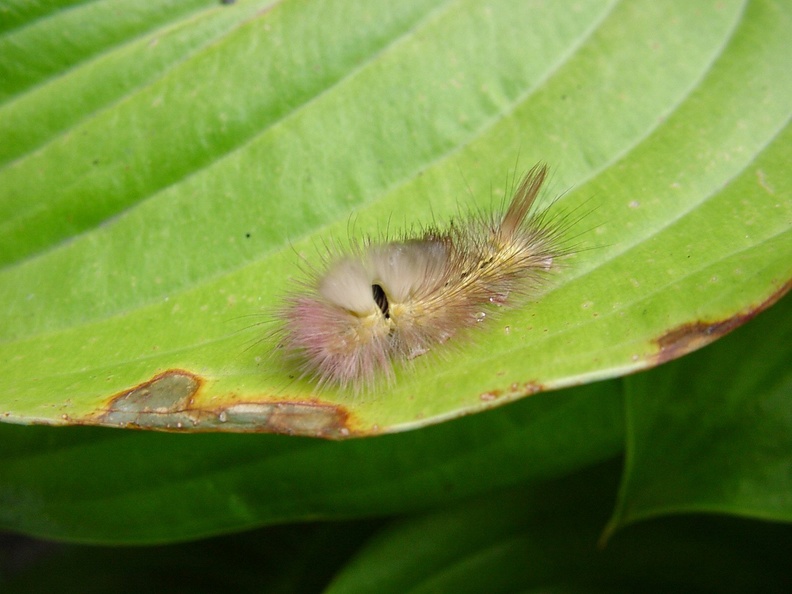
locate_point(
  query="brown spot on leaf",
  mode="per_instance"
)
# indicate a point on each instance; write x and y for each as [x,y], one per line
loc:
[516,389]
[694,335]
[310,418]
[490,396]
[163,402]
[167,402]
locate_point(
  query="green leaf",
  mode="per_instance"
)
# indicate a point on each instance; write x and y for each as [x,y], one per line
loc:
[544,539]
[92,484]
[713,432]
[538,537]
[170,164]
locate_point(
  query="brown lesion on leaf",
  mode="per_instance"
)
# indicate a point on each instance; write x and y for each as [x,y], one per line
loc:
[168,402]
[694,335]
[490,395]
[532,387]
[515,390]
[164,394]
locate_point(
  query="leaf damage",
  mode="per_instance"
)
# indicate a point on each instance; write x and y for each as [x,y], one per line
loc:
[169,402]
[692,336]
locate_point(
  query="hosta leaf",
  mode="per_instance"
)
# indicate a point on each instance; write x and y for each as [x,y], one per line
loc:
[712,433]
[168,167]
[544,539]
[93,484]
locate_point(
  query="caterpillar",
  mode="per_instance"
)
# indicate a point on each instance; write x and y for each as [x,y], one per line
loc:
[381,303]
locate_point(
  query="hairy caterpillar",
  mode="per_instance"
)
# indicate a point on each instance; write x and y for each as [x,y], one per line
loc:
[382,303]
